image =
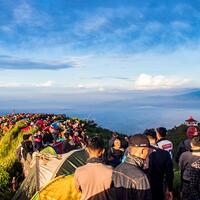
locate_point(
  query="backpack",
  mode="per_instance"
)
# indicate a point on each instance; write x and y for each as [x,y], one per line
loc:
[19,153]
[181,149]
[27,148]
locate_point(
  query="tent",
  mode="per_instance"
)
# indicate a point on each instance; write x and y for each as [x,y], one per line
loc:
[46,167]
[49,150]
[61,188]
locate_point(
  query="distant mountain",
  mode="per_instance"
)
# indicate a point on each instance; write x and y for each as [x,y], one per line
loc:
[195,95]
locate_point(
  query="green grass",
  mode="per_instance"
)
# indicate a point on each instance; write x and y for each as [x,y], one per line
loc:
[8,162]
[177,184]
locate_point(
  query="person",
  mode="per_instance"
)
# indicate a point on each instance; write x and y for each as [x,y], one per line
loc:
[94,179]
[185,162]
[185,144]
[115,154]
[47,138]
[162,142]
[27,151]
[129,179]
[37,141]
[112,139]
[160,169]
[195,180]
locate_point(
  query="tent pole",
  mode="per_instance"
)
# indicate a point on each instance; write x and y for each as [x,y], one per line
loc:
[37,174]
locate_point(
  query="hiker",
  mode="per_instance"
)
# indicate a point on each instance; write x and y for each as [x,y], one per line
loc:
[27,151]
[37,140]
[185,144]
[162,142]
[94,179]
[129,179]
[195,180]
[47,138]
[112,139]
[160,169]
[115,154]
[185,162]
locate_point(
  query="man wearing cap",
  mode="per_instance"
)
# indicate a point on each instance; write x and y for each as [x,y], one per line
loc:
[130,182]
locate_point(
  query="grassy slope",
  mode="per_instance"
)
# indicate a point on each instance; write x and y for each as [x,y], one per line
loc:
[8,145]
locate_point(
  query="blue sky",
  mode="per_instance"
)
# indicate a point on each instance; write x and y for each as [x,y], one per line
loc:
[99,45]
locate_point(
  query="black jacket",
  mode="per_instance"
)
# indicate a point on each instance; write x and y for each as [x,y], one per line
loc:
[130,182]
[182,147]
[160,172]
[114,157]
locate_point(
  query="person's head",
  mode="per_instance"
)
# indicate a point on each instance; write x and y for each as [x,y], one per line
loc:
[95,147]
[117,144]
[192,132]
[195,143]
[151,135]
[114,135]
[139,146]
[26,137]
[161,132]
[126,138]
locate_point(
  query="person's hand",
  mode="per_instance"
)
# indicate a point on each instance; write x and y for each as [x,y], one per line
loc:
[168,195]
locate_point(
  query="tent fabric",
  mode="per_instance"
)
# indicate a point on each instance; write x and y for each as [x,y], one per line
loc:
[28,187]
[58,146]
[76,158]
[49,150]
[48,167]
[61,188]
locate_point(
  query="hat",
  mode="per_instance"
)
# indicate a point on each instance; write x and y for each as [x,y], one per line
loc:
[139,140]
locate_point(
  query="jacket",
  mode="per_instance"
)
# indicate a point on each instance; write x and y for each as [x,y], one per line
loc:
[93,180]
[166,145]
[185,161]
[195,180]
[182,147]
[160,172]
[130,182]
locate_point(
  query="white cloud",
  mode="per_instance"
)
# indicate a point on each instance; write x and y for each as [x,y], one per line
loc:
[180,25]
[26,85]
[149,82]
[91,86]
[22,13]
[9,85]
[46,84]
[94,24]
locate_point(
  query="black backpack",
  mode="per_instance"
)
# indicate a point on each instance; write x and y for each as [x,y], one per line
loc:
[27,147]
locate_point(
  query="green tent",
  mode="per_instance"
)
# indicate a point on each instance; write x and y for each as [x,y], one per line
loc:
[46,168]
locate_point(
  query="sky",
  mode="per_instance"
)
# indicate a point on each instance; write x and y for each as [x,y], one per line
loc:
[99,45]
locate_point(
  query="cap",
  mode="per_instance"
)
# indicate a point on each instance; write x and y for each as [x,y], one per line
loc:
[139,140]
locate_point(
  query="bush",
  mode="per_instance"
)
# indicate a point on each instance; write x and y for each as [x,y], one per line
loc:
[4,179]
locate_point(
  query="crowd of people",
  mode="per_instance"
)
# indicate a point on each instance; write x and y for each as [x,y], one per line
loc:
[140,167]
[42,130]
[130,167]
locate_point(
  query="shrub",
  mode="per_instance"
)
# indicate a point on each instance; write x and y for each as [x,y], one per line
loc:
[4,179]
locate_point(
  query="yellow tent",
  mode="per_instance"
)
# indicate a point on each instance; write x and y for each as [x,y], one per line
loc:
[60,188]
